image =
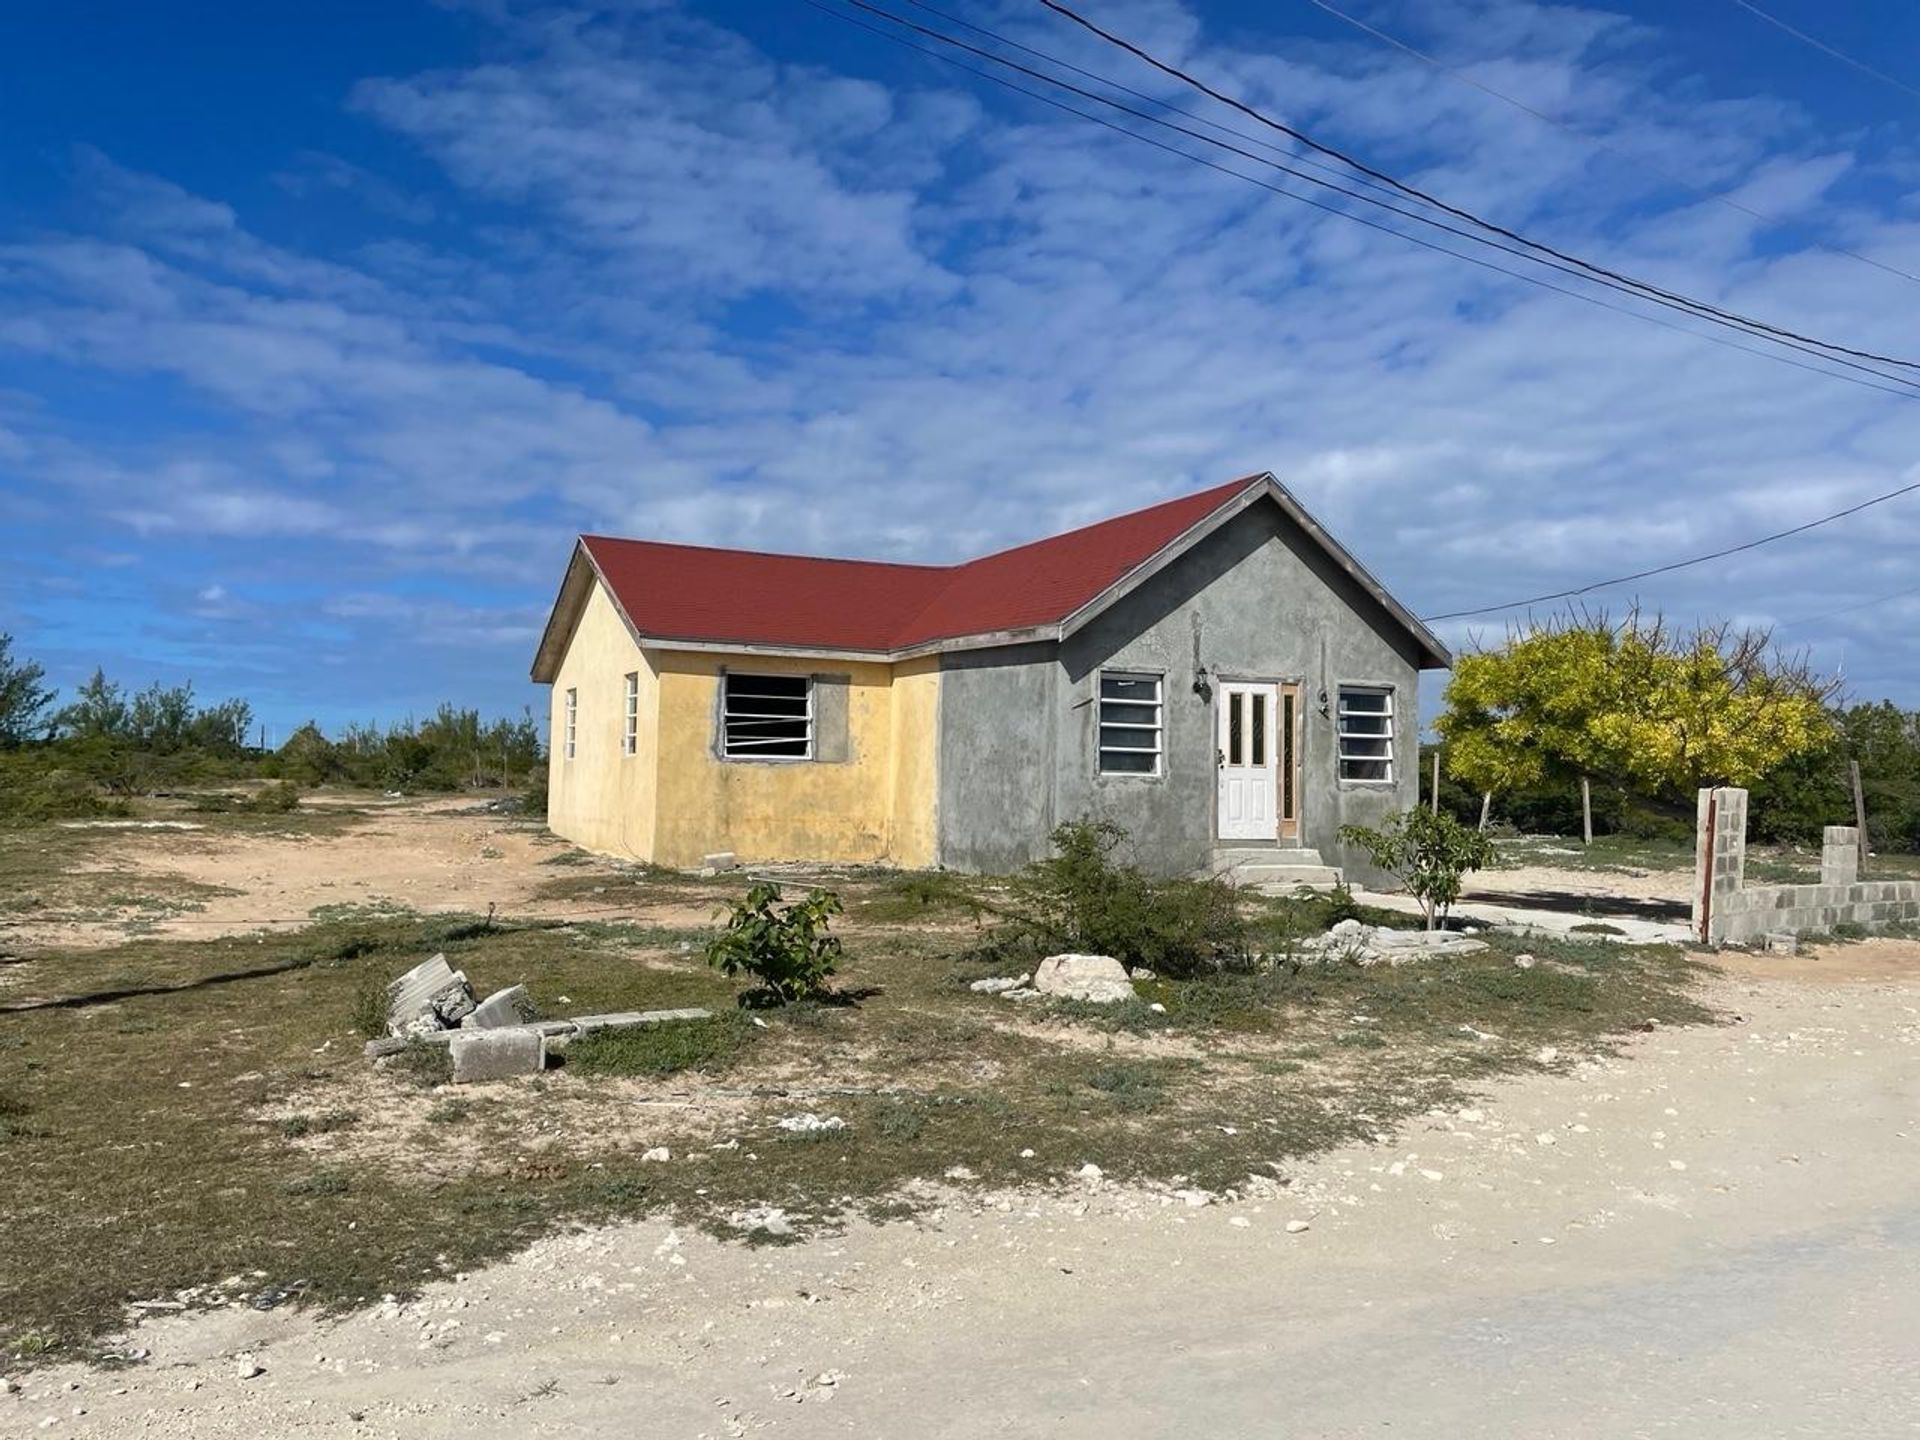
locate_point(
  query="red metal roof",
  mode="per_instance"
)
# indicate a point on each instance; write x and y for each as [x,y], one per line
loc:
[748,597]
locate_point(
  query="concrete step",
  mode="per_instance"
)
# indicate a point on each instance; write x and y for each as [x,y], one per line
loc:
[1284,878]
[1227,856]
[1273,867]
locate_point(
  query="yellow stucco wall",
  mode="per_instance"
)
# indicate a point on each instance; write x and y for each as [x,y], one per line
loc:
[771,810]
[602,799]
[915,782]
[675,801]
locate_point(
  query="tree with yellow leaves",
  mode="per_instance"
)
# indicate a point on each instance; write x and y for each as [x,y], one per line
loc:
[1637,702]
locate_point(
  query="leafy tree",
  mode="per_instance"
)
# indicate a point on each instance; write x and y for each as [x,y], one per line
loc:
[1636,703]
[99,711]
[23,699]
[1429,853]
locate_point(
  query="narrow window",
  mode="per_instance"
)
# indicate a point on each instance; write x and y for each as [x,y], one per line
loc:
[1236,728]
[1257,729]
[1366,734]
[1129,723]
[767,717]
[630,727]
[568,729]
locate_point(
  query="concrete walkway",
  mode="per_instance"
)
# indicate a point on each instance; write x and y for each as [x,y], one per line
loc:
[1634,929]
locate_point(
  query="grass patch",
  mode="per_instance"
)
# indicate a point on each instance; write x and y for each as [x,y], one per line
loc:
[710,1046]
[134,1100]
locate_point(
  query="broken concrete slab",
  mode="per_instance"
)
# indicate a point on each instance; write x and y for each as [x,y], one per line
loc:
[511,1006]
[394,1044]
[723,860]
[1784,942]
[497,1054]
[587,1024]
[411,996]
[1100,979]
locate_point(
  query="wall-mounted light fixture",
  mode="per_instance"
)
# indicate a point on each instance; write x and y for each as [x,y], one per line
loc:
[1202,685]
[1323,704]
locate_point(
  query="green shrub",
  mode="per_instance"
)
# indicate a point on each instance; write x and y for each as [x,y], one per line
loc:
[279,798]
[785,948]
[1082,899]
[708,1045]
[1429,853]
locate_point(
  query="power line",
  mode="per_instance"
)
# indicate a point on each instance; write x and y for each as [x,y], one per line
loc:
[1593,140]
[1848,609]
[1424,197]
[1908,389]
[1679,564]
[1826,49]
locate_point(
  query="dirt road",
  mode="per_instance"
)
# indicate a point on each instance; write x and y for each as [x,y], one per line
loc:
[1715,1234]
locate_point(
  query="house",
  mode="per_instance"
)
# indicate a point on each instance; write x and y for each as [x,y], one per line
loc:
[1216,674]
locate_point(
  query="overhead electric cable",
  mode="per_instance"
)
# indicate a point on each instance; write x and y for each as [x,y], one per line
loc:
[1594,140]
[1826,49]
[1848,609]
[1425,197]
[1679,564]
[1899,385]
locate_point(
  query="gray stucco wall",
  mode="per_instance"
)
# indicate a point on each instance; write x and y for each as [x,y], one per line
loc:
[1256,600]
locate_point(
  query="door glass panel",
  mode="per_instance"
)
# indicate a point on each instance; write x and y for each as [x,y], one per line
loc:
[1236,727]
[1258,728]
[1286,755]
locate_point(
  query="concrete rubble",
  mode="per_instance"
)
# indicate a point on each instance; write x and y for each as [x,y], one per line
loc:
[431,996]
[493,1038]
[1381,945]
[497,1054]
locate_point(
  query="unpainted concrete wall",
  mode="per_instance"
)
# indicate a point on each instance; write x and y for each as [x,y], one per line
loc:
[1727,911]
[1256,600]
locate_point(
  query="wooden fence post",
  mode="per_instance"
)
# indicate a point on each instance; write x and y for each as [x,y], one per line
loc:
[1586,809]
[1486,807]
[1436,779]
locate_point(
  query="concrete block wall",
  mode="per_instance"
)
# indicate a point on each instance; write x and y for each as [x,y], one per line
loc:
[1727,911]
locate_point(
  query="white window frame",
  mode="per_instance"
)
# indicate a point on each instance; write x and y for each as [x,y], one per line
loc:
[749,754]
[1342,734]
[1101,724]
[630,722]
[570,724]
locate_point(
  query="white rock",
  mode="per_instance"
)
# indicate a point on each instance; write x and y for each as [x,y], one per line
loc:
[1545,1139]
[1240,1222]
[248,1368]
[1546,1055]
[1097,978]
[656,1154]
[1297,1227]
[1090,1171]
[808,1123]
[1026,1154]
[999,984]
[1524,962]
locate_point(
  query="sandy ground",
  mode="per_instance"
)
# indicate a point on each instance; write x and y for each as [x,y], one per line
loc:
[432,856]
[1716,1233]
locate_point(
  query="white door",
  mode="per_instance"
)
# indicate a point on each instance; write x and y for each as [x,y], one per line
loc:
[1249,762]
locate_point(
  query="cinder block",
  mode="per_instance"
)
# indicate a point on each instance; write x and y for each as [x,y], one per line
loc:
[497,1054]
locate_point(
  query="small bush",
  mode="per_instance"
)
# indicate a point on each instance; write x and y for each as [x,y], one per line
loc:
[785,948]
[1083,899]
[708,1045]
[279,798]
[1131,1086]
[1428,852]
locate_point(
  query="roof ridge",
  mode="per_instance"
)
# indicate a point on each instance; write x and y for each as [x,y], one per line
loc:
[1231,487]
[773,554]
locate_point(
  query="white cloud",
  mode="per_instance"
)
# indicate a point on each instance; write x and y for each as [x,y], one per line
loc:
[715,296]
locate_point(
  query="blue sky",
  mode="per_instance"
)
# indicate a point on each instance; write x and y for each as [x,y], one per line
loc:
[324,329]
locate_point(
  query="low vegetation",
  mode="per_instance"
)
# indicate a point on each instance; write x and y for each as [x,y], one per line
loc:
[181,1112]
[1428,852]
[92,756]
